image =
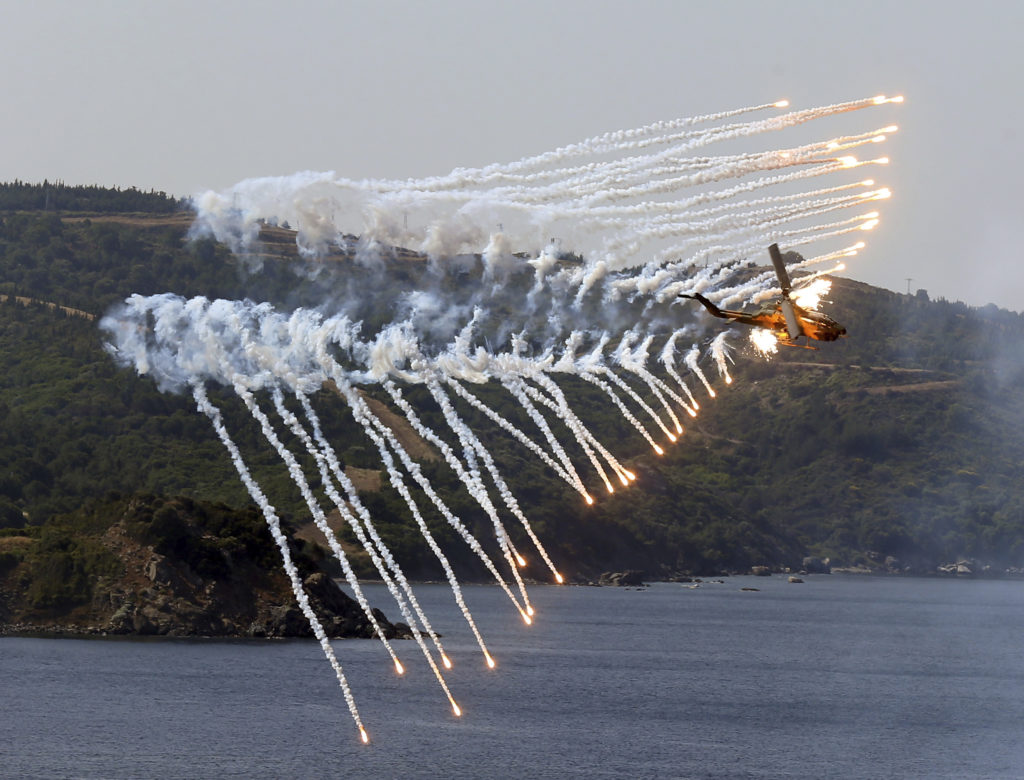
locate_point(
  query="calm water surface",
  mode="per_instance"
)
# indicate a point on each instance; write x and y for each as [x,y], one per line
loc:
[838,677]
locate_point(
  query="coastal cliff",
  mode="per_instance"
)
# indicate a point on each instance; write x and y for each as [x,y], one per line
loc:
[151,567]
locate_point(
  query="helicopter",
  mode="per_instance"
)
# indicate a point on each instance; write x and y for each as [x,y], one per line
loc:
[784,317]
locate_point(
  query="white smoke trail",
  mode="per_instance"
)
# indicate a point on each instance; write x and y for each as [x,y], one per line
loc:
[634,363]
[370,424]
[641,216]
[575,427]
[377,547]
[691,362]
[567,475]
[416,472]
[274,524]
[472,479]
[720,352]
[565,409]
[667,358]
[621,384]
[531,196]
[516,388]
[317,513]
[505,492]
[588,375]
[699,237]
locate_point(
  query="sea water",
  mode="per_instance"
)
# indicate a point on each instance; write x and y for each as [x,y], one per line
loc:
[842,677]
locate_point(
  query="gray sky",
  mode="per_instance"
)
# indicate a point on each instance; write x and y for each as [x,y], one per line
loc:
[187,96]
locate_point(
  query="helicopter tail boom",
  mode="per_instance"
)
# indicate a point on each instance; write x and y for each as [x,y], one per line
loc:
[707,304]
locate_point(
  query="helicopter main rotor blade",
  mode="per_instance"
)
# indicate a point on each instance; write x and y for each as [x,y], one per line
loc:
[792,323]
[780,269]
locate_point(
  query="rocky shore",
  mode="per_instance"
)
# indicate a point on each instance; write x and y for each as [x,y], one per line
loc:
[873,564]
[235,588]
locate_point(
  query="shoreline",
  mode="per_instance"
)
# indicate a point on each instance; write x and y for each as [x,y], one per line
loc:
[58,630]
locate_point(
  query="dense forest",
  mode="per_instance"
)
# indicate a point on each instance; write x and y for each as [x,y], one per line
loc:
[58,196]
[897,448]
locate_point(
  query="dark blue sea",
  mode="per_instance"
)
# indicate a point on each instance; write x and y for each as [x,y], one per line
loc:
[838,677]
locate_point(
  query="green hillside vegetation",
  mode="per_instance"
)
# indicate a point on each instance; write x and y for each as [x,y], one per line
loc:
[902,442]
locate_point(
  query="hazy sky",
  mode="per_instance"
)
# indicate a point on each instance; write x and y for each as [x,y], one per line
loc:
[187,96]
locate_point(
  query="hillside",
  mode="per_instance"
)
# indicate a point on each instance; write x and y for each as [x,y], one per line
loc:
[897,448]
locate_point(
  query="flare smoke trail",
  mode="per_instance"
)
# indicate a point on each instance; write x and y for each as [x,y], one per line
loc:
[519,278]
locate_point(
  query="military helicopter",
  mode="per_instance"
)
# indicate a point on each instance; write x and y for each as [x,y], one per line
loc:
[784,318]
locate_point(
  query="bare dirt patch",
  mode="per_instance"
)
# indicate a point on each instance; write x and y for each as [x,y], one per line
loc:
[365,480]
[404,432]
[918,387]
[182,219]
[49,305]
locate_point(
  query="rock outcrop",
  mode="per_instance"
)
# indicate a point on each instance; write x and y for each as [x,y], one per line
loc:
[628,578]
[174,577]
[814,565]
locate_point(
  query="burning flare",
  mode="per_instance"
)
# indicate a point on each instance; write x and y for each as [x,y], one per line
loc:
[764,341]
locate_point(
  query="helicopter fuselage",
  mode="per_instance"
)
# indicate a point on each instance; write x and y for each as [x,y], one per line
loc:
[813,324]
